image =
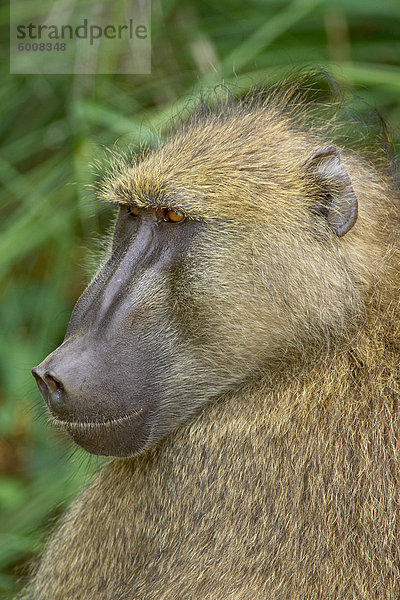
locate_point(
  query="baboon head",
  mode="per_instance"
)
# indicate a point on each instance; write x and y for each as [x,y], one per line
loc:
[229,255]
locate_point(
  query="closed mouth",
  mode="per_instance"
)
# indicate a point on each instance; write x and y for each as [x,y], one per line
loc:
[89,426]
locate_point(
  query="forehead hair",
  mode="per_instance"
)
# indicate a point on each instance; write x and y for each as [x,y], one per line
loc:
[235,160]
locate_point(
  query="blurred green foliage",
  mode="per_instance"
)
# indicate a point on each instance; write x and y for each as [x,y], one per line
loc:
[54,127]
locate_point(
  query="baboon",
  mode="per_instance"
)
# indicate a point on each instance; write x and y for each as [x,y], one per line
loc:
[238,353]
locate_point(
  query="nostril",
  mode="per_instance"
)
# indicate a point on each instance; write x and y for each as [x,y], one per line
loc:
[53,383]
[43,389]
[49,386]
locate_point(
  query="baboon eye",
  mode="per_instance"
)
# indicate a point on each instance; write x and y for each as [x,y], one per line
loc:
[174,216]
[133,211]
[163,214]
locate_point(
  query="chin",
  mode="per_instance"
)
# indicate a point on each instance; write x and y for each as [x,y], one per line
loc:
[124,436]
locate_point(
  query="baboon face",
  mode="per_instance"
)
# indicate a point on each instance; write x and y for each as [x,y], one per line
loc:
[186,309]
[133,364]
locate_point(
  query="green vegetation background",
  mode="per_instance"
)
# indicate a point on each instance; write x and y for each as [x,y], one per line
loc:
[54,127]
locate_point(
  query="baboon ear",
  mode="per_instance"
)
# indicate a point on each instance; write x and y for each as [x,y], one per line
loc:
[337,200]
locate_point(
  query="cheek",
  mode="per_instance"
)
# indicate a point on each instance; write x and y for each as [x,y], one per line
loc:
[247,303]
[218,307]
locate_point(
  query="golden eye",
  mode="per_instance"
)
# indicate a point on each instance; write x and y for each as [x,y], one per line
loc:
[174,216]
[133,211]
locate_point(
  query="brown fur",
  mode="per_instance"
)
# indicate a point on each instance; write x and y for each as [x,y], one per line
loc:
[288,487]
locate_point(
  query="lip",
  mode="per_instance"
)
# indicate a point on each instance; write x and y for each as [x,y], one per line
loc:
[87,425]
[121,436]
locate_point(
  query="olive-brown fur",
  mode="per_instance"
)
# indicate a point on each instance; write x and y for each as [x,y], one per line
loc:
[288,486]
